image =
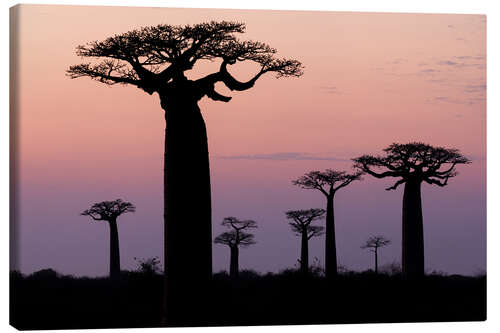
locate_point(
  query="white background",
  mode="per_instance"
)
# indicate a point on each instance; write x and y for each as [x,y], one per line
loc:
[422,6]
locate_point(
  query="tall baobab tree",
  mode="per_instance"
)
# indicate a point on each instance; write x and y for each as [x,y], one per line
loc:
[109,211]
[155,60]
[235,239]
[300,222]
[373,244]
[412,164]
[328,182]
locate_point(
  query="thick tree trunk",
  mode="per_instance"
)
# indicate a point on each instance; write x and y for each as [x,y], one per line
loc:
[376,261]
[233,265]
[114,251]
[187,210]
[304,254]
[330,243]
[413,231]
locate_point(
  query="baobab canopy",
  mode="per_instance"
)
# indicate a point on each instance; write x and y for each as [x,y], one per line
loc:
[417,161]
[151,57]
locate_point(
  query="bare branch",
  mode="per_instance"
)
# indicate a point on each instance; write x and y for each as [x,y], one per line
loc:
[375,242]
[301,220]
[395,186]
[314,231]
[103,73]
[109,210]
[325,181]
[235,238]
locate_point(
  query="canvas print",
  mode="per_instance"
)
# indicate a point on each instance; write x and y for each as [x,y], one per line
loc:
[208,167]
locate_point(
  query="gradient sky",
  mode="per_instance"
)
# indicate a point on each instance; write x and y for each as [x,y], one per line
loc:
[370,80]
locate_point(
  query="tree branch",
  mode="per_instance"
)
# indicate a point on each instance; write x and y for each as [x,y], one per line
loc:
[395,186]
[102,73]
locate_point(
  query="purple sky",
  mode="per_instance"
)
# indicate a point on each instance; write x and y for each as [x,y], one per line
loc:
[370,80]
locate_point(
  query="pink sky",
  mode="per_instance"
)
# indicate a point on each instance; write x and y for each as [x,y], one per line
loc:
[370,80]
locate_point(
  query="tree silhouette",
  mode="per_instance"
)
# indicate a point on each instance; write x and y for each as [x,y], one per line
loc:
[301,225]
[373,244]
[155,60]
[328,182]
[109,211]
[412,164]
[149,266]
[235,239]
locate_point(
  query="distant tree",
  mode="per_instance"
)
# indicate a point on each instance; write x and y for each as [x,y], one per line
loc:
[149,267]
[328,182]
[373,244]
[109,211]
[412,164]
[235,239]
[300,222]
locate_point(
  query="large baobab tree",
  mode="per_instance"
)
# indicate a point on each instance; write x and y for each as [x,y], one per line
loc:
[109,211]
[235,239]
[328,182]
[412,164]
[373,244]
[155,59]
[300,222]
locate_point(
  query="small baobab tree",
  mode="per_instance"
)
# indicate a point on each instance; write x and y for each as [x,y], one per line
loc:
[412,164]
[328,182]
[301,224]
[235,239]
[109,211]
[155,59]
[373,244]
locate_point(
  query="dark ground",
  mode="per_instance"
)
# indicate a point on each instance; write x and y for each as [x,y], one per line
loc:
[47,300]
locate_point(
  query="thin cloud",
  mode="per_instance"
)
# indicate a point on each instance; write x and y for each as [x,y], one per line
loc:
[475,88]
[329,89]
[468,57]
[448,63]
[467,101]
[462,64]
[430,70]
[436,80]
[396,61]
[285,156]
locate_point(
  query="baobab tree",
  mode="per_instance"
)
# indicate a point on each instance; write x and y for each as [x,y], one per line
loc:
[155,59]
[328,182]
[300,222]
[373,244]
[412,164]
[235,239]
[109,211]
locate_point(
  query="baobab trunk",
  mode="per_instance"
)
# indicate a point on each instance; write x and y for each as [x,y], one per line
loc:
[233,266]
[304,254]
[187,209]
[413,231]
[114,251]
[330,243]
